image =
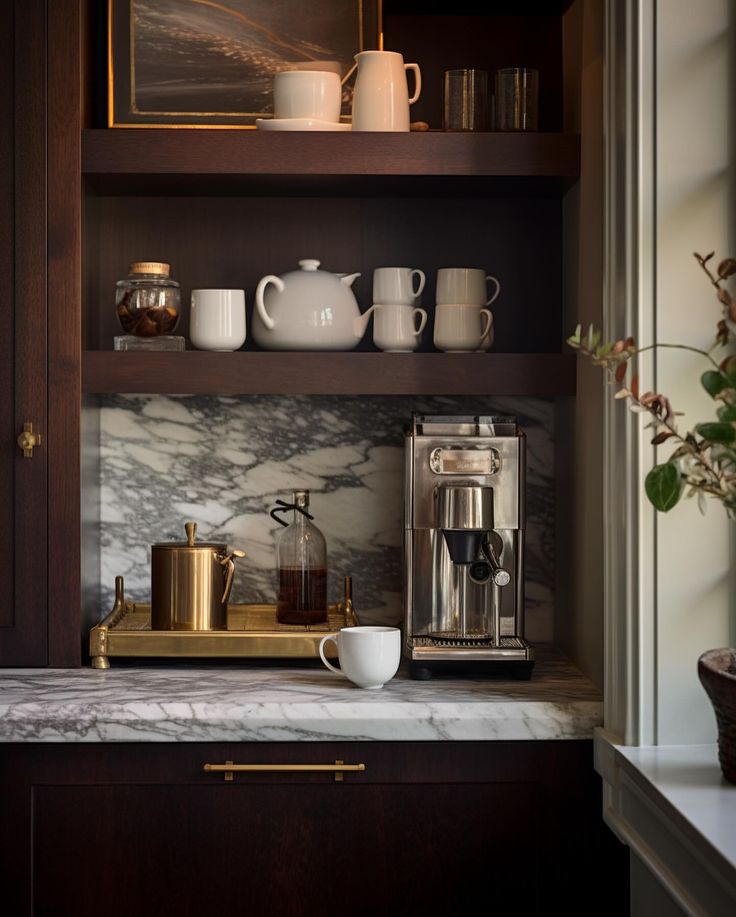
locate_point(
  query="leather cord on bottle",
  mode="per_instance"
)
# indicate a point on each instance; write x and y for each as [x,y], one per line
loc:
[284,507]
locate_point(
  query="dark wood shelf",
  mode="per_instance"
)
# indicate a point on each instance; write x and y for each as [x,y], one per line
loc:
[129,160]
[259,373]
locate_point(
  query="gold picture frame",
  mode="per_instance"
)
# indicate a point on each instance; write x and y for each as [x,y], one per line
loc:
[202,30]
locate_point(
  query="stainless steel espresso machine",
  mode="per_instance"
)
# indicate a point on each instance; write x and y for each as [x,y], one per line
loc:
[464,546]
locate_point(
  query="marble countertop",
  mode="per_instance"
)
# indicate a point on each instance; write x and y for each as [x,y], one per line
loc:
[239,703]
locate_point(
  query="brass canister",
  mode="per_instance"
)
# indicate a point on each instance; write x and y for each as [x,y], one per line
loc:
[191,583]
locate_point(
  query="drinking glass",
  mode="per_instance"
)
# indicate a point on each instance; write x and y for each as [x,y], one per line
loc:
[517,99]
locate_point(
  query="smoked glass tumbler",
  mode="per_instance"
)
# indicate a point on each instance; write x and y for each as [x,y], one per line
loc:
[466,101]
[517,99]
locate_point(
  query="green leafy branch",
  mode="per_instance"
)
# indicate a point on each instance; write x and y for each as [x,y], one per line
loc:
[704,460]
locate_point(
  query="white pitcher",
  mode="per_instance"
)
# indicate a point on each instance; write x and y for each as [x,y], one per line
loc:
[381,98]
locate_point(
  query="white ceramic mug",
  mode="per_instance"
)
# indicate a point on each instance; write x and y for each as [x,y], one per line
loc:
[396,285]
[328,66]
[468,285]
[369,656]
[381,97]
[460,327]
[217,320]
[307,94]
[394,328]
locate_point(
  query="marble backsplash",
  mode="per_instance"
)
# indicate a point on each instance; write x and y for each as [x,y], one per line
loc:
[223,461]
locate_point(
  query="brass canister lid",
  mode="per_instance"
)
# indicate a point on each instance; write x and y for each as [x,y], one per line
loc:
[191,543]
[150,267]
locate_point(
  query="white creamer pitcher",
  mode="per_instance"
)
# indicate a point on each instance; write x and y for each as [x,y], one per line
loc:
[381,98]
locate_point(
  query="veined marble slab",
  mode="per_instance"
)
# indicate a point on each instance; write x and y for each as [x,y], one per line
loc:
[189,703]
[223,462]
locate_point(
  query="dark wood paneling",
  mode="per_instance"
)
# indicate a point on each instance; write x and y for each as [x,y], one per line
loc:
[64,328]
[245,373]
[282,851]
[187,153]
[141,829]
[233,242]
[23,616]
[485,42]
[7,298]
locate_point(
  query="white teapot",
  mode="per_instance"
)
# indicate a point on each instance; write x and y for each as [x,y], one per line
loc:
[308,309]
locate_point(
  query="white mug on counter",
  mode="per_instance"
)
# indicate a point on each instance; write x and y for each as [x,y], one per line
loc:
[396,285]
[369,656]
[394,329]
[461,328]
[468,285]
[313,94]
[217,320]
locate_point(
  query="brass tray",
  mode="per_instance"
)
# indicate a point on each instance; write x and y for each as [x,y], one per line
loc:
[252,633]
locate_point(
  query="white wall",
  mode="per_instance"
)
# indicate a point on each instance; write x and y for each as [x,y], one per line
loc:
[694,212]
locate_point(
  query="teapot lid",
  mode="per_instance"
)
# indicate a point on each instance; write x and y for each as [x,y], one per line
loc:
[191,530]
[309,264]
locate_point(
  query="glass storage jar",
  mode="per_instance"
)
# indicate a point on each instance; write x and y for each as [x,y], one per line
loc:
[148,301]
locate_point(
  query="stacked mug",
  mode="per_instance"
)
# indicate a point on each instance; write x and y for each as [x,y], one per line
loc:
[462,323]
[396,290]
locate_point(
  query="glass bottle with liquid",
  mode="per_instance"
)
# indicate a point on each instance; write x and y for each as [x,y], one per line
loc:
[301,560]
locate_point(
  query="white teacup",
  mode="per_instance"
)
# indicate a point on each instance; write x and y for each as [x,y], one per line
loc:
[394,328]
[396,285]
[307,94]
[461,328]
[468,285]
[369,656]
[329,66]
[217,320]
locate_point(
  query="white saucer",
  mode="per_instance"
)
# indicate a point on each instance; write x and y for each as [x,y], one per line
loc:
[300,124]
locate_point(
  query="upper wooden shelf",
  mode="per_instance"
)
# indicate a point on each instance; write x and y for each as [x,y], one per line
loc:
[121,160]
[259,373]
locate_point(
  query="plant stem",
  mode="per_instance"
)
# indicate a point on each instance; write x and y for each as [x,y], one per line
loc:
[694,452]
[703,353]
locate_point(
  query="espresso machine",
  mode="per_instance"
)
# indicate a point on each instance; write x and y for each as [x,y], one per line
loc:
[464,546]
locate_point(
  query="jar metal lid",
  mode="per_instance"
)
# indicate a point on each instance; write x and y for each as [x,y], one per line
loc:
[150,267]
[191,543]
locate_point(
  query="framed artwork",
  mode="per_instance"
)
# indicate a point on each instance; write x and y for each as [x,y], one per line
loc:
[205,63]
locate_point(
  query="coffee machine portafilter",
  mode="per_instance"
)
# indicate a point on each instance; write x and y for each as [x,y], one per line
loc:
[464,545]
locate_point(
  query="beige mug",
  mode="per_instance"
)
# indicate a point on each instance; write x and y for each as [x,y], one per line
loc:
[461,328]
[467,285]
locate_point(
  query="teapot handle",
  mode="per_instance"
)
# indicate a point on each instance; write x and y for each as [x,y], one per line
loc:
[260,289]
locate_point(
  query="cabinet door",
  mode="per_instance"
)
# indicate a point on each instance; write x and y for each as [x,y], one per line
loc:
[23,616]
[282,850]
[425,829]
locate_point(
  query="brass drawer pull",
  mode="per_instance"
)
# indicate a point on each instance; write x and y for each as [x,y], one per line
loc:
[338,768]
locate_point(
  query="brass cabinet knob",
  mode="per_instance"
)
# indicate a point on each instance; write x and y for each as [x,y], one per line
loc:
[28,440]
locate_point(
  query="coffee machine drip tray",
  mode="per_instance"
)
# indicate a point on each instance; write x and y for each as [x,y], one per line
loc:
[450,638]
[444,646]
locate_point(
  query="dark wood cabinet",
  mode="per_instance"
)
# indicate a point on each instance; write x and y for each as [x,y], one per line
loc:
[427,828]
[23,366]
[78,203]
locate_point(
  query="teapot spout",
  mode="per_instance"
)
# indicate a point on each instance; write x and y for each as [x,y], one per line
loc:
[349,279]
[361,324]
